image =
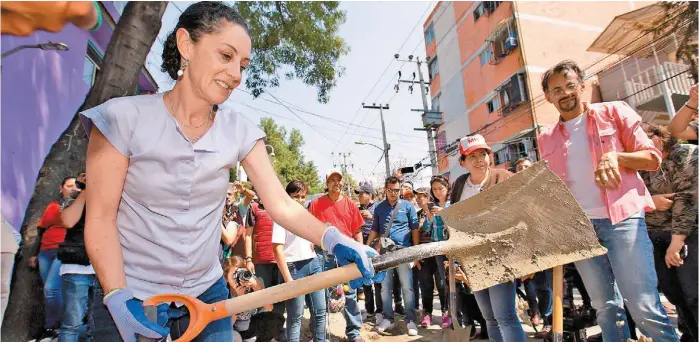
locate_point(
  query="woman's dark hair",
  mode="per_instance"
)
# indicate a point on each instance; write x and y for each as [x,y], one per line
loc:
[668,140]
[441,180]
[229,264]
[295,186]
[200,18]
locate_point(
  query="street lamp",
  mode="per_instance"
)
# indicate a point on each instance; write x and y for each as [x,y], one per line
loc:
[50,46]
[384,154]
[366,143]
[270,147]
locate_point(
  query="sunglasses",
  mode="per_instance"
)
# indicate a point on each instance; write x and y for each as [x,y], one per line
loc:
[394,191]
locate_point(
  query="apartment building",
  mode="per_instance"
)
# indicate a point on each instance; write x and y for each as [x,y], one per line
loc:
[486,59]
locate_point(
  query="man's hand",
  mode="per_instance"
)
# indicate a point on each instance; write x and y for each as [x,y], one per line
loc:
[672,255]
[693,96]
[366,214]
[32,262]
[607,174]
[417,264]
[663,202]
[238,186]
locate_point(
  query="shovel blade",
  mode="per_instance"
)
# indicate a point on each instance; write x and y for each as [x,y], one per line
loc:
[528,223]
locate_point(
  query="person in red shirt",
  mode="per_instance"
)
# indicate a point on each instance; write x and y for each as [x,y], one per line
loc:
[260,259]
[337,210]
[50,233]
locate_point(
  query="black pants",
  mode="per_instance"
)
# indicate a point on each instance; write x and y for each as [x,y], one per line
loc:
[372,297]
[429,276]
[573,279]
[679,284]
[467,308]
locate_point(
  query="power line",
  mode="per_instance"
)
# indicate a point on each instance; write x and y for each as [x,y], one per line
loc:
[332,120]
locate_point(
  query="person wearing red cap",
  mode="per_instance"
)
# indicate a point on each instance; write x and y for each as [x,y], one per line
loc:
[497,303]
[339,211]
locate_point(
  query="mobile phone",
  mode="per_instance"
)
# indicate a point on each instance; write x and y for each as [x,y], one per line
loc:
[684,252]
[430,205]
[407,169]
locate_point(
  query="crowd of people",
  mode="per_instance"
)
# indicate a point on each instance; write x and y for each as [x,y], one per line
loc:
[158,221]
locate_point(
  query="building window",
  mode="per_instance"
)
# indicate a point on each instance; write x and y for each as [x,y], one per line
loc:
[435,104]
[512,93]
[93,60]
[442,143]
[493,104]
[487,54]
[433,68]
[429,34]
[485,8]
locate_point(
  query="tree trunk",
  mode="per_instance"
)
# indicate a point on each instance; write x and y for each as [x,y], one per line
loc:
[135,33]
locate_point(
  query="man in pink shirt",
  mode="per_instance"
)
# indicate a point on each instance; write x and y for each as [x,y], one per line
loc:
[597,149]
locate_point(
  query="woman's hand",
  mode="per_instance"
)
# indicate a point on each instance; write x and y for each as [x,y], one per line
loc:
[250,266]
[435,210]
[417,264]
[253,284]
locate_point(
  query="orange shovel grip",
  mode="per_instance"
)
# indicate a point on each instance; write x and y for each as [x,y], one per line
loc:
[200,313]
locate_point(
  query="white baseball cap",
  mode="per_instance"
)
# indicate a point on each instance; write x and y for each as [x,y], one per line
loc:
[471,143]
[332,172]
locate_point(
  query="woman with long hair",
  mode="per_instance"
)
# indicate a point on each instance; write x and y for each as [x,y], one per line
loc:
[672,227]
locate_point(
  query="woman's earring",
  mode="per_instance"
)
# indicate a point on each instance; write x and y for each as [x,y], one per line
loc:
[182,67]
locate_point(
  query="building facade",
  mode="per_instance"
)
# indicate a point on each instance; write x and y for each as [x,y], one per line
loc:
[42,90]
[486,59]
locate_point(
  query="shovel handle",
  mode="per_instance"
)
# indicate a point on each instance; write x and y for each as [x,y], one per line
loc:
[202,314]
[152,315]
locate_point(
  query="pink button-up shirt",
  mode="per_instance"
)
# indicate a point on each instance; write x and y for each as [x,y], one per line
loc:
[611,126]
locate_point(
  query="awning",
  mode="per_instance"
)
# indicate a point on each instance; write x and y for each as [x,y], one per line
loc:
[625,34]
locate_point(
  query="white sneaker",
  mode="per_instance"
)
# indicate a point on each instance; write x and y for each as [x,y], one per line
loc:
[412,329]
[385,325]
[379,318]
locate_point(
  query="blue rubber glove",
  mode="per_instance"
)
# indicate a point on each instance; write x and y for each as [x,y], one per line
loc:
[130,319]
[347,251]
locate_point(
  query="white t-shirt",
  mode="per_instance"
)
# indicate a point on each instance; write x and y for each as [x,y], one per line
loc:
[470,189]
[295,248]
[581,170]
[76,269]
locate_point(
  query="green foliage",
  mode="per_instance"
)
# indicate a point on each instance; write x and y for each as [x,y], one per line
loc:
[680,18]
[296,38]
[288,161]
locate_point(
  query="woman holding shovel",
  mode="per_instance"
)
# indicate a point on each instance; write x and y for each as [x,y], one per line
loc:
[158,169]
[497,303]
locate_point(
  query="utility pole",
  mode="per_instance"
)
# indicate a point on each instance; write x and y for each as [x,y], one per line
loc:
[386,146]
[429,120]
[344,166]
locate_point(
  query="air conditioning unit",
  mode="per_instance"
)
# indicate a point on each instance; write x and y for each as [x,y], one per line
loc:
[510,43]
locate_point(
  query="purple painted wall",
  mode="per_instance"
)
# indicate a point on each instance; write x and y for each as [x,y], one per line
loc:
[41,90]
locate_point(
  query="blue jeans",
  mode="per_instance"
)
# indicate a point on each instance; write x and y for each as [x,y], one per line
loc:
[353,317]
[499,308]
[626,270]
[76,289]
[405,275]
[294,306]
[49,269]
[102,327]
[540,293]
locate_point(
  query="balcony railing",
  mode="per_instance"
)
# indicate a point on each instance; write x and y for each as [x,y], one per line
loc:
[646,88]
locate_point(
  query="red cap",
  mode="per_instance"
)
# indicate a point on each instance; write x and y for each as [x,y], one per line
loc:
[471,143]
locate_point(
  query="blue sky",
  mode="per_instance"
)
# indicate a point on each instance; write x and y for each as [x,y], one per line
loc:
[375,31]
